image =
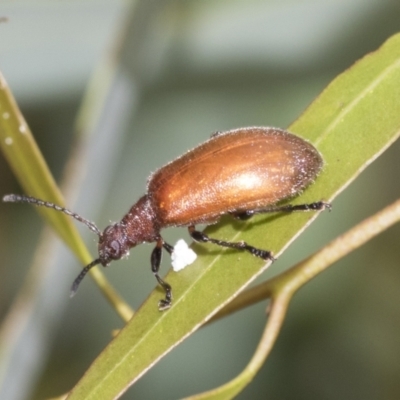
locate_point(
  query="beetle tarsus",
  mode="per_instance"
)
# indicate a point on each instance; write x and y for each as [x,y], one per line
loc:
[166,303]
[264,254]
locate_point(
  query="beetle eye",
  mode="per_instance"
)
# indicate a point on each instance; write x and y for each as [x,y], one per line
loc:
[114,248]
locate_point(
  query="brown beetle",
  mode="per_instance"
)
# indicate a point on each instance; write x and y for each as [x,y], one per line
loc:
[242,172]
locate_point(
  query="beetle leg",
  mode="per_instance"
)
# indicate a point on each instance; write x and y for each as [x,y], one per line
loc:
[317,206]
[243,215]
[168,247]
[202,237]
[156,256]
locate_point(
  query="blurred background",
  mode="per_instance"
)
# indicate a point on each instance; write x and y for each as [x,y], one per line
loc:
[162,76]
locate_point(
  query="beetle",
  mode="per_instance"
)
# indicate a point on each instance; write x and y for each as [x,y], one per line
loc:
[240,172]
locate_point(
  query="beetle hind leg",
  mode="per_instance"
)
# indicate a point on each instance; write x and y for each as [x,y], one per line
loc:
[316,206]
[156,256]
[203,238]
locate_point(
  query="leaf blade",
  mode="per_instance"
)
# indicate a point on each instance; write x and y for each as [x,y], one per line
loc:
[348,140]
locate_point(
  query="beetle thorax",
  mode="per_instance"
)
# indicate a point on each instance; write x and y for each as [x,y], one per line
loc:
[141,223]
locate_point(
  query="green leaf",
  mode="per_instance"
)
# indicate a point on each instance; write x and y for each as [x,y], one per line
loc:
[351,123]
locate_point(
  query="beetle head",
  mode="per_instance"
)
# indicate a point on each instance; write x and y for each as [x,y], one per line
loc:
[113,244]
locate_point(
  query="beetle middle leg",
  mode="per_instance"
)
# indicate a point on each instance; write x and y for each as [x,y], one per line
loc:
[156,256]
[202,237]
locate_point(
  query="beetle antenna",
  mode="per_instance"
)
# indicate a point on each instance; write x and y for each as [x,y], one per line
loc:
[82,274]
[16,198]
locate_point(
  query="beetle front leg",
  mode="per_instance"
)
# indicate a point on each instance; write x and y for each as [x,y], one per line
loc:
[156,256]
[202,237]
